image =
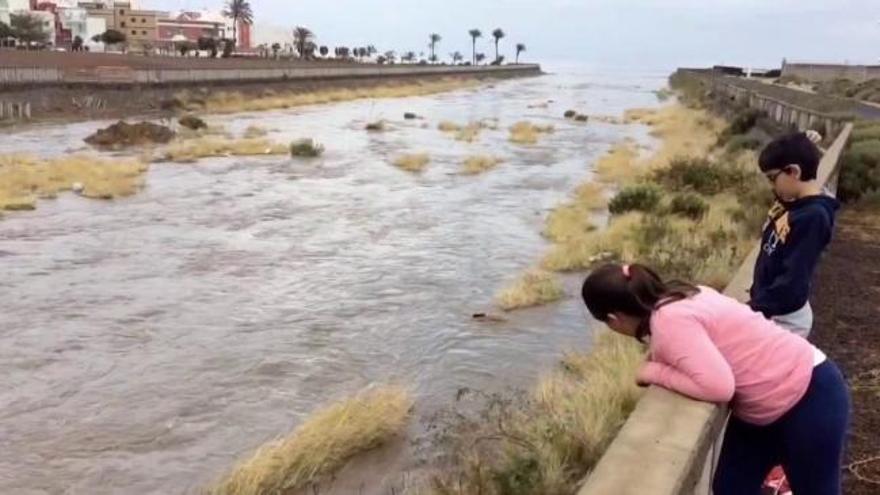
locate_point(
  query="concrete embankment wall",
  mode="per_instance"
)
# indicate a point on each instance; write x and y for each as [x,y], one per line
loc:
[105,92]
[830,72]
[121,75]
[669,444]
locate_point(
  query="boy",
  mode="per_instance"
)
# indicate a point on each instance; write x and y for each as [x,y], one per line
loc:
[798,228]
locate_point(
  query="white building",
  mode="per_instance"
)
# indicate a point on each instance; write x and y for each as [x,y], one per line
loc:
[94,27]
[8,7]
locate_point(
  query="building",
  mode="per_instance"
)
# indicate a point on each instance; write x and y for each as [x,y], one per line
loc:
[189,26]
[8,7]
[141,27]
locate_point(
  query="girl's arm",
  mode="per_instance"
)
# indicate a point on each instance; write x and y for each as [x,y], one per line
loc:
[685,360]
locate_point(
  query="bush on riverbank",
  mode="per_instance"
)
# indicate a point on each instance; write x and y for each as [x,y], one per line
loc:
[322,444]
[25,179]
[640,197]
[533,288]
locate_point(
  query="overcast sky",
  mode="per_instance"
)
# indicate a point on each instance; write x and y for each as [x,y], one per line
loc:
[629,34]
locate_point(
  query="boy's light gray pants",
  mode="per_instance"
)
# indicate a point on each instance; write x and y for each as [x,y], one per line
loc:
[800,322]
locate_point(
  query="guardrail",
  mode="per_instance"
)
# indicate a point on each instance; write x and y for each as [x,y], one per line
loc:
[121,75]
[669,444]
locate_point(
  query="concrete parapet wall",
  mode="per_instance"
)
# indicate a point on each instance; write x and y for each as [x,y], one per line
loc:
[669,444]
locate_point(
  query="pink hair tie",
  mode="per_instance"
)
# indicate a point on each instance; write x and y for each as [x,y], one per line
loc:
[626,271]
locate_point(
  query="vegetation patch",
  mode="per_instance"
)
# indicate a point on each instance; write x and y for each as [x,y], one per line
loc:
[254,131]
[641,197]
[860,173]
[689,205]
[25,179]
[377,126]
[191,150]
[544,441]
[123,135]
[525,132]
[412,162]
[306,148]
[321,445]
[192,122]
[533,288]
[478,164]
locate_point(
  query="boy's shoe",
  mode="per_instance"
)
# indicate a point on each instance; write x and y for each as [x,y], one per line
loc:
[776,483]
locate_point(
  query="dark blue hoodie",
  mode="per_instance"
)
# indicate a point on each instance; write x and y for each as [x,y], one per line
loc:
[794,237]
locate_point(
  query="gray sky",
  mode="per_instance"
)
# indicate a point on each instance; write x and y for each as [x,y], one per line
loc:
[629,34]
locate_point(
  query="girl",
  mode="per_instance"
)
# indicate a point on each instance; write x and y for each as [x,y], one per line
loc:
[789,403]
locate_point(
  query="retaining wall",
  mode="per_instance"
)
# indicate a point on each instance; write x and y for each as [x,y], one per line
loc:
[669,444]
[829,72]
[121,75]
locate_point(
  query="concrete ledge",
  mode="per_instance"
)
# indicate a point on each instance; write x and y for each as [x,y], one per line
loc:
[663,449]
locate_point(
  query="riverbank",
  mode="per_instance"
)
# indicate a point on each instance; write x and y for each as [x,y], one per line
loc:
[96,98]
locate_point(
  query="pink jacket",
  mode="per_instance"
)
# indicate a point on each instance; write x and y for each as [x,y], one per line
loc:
[713,348]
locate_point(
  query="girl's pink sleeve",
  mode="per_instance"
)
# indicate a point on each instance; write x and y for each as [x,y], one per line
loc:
[685,360]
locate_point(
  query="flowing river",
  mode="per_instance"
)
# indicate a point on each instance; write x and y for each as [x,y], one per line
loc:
[148,343]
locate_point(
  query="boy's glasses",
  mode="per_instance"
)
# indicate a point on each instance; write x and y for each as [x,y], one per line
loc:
[773,176]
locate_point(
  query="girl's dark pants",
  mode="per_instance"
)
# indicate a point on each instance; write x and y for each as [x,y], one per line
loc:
[808,441]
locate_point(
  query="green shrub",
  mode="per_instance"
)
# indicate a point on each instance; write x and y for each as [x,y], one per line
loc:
[865,132]
[740,142]
[641,197]
[860,171]
[742,122]
[698,174]
[689,205]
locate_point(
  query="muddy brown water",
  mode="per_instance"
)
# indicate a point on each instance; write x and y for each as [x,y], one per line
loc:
[148,343]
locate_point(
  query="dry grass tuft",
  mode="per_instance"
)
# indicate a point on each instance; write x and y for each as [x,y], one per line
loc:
[447,126]
[322,444]
[590,195]
[254,131]
[534,288]
[525,132]
[413,162]
[580,252]
[24,179]
[231,102]
[377,126]
[191,150]
[568,222]
[620,165]
[478,164]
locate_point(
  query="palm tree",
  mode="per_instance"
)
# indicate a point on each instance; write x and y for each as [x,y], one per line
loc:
[302,36]
[520,47]
[497,34]
[408,57]
[238,10]
[435,38]
[475,33]
[324,51]
[480,57]
[456,57]
[390,56]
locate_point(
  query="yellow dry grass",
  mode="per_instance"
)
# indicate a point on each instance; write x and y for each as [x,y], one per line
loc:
[556,438]
[533,288]
[580,252]
[478,164]
[412,162]
[525,132]
[24,178]
[590,195]
[191,150]
[620,165]
[322,444]
[230,102]
[448,126]
[568,222]
[469,133]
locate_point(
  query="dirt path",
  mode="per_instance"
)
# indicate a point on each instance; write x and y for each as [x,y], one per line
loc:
[847,305]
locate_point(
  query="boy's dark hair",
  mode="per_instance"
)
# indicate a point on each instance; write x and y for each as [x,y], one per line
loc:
[794,149]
